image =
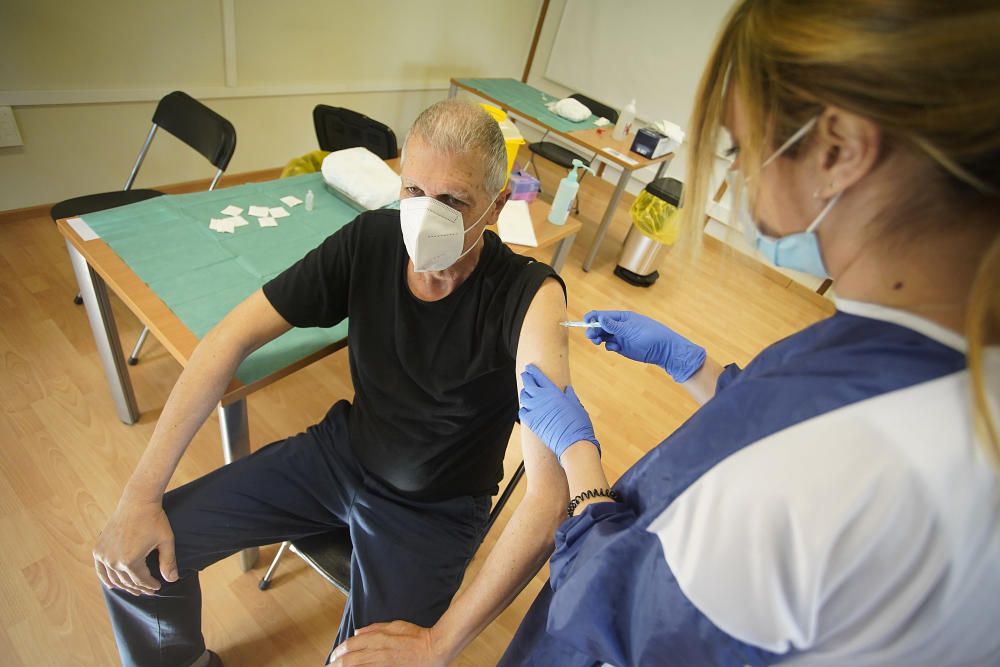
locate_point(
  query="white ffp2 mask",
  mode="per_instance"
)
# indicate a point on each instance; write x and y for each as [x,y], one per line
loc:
[434,233]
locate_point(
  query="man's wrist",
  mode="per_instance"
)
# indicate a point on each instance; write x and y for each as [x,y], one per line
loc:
[138,494]
[446,641]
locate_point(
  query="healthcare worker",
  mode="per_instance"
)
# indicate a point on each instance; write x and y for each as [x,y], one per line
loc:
[836,502]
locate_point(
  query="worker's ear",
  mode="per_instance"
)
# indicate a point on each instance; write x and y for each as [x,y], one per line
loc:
[848,147]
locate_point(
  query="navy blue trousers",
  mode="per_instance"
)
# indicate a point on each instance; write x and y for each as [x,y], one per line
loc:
[409,556]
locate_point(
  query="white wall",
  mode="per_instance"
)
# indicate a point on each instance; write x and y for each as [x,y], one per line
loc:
[83,77]
[678,69]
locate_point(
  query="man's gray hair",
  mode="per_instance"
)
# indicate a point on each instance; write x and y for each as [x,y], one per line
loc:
[455,126]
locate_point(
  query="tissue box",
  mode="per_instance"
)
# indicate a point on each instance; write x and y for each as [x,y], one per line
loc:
[651,144]
[523,186]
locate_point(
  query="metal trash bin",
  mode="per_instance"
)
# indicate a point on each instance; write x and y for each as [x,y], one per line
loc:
[645,244]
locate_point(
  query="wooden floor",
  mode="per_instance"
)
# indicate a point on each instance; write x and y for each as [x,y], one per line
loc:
[64,455]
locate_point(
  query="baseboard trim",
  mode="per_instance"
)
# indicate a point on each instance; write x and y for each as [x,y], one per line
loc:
[16,214]
[227,180]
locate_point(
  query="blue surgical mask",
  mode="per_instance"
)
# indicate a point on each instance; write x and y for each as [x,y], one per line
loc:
[799,251]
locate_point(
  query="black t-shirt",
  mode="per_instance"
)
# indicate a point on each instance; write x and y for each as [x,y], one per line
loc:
[435,393]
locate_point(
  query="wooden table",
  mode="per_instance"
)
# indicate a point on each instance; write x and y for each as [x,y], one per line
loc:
[593,140]
[560,237]
[98,268]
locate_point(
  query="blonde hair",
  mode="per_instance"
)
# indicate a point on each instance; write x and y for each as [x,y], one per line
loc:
[925,71]
[982,328]
[456,126]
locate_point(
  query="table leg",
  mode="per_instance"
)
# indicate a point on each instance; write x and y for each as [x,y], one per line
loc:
[662,168]
[609,214]
[235,427]
[102,325]
[561,253]
[452,91]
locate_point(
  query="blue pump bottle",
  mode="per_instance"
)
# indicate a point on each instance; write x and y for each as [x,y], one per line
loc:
[568,188]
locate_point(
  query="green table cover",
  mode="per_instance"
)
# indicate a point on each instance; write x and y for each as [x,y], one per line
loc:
[201,274]
[529,101]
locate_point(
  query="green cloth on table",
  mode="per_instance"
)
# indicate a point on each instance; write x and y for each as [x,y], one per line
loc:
[201,274]
[529,101]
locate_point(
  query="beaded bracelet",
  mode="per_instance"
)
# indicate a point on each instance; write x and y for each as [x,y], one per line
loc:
[593,493]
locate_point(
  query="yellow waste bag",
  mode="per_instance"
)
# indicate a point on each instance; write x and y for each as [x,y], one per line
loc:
[511,135]
[309,163]
[656,218]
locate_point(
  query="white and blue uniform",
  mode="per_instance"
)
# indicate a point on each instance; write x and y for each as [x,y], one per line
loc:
[831,505]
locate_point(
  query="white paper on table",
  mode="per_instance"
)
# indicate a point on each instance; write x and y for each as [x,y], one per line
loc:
[82,229]
[291,201]
[621,156]
[267,222]
[222,225]
[514,224]
[231,210]
[237,220]
[260,211]
[278,213]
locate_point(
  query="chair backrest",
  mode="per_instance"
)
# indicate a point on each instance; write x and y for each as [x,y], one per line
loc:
[596,108]
[197,126]
[338,128]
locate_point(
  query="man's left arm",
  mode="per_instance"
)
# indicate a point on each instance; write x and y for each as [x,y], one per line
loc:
[522,548]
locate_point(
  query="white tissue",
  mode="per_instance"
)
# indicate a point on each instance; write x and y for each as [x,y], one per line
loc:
[362,176]
[668,129]
[570,109]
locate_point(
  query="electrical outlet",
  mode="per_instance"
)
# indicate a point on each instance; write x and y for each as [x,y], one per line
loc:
[9,136]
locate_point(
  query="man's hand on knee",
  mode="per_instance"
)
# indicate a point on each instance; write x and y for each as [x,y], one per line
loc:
[130,535]
[391,644]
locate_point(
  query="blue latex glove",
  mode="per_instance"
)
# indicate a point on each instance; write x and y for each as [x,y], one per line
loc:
[556,417]
[640,338]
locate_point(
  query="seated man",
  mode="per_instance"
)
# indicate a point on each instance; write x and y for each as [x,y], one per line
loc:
[443,317]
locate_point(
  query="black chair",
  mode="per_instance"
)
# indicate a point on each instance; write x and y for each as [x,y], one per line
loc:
[330,553]
[338,128]
[190,121]
[563,156]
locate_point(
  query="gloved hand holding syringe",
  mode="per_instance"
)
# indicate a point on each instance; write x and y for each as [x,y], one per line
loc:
[642,339]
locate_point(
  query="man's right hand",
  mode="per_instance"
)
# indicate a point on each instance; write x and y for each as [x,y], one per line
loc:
[132,532]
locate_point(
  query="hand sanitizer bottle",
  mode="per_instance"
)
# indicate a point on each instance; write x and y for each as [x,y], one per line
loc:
[568,187]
